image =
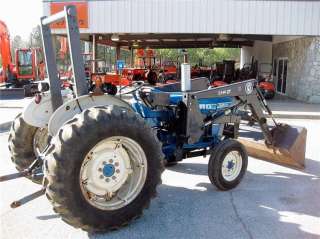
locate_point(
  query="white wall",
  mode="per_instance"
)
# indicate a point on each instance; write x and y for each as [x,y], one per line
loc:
[261,50]
[281,17]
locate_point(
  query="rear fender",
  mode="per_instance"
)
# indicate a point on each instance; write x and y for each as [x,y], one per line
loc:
[75,106]
[38,113]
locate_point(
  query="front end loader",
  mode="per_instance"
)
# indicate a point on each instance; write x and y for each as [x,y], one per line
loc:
[101,157]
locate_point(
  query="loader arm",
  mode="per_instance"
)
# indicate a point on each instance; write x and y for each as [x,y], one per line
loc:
[246,93]
[284,144]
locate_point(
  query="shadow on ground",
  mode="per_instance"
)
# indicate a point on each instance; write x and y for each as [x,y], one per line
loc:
[277,205]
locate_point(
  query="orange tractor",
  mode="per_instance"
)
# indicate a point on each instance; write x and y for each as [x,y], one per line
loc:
[28,68]
[143,71]
[168,72]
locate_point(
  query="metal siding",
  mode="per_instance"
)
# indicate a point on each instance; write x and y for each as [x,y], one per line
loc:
[316,17]
[283,17]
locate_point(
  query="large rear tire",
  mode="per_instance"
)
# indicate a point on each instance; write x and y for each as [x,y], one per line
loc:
[84,179]
[24,142]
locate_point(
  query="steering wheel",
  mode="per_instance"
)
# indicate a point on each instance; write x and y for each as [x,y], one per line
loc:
[136,86]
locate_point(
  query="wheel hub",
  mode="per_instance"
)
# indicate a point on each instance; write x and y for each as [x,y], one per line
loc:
[231,166]
[108,170]
[107,176]
[113,172]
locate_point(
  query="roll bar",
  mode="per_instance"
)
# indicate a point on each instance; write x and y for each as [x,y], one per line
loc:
[69,15]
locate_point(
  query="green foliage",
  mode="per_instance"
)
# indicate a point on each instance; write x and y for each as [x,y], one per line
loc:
[16,43]
[207,56]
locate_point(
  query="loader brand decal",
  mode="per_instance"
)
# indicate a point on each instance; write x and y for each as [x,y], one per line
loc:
[249,88]
[82,13]
[214,106]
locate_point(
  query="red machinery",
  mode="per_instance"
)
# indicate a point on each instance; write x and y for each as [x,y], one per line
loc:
[145,60]
[29,65]
[144,70]
[5,53]
[266,84]
[225,73]
[168,72]
[263,73]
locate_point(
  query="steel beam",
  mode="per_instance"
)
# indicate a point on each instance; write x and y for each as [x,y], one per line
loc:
[51,64]
[73,33]
[94,53]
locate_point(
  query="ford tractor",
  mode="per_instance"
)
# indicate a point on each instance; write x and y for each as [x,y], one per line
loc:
[99,157]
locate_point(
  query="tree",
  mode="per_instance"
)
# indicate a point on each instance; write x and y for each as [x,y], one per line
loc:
[205,56]
[35,38]
[17,43]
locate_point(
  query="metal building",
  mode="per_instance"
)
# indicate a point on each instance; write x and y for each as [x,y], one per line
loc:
[282,32]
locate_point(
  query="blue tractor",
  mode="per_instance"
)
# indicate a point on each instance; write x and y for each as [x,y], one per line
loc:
[104,155]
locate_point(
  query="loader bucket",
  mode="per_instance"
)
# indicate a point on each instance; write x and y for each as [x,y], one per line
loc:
[288,148]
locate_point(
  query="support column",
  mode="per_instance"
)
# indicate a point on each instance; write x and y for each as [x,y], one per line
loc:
[117,56]
[261,51]
[131,57]
[245,55]
[94,53]
[86,47]
[117,52]
[185,56]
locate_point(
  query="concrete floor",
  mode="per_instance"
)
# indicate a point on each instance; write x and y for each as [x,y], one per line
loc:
[283,107]
[271,202]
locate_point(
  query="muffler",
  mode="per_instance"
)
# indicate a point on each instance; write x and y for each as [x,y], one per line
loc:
[288,145]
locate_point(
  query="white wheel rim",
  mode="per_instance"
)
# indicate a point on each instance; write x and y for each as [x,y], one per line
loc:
[231,166]
[113,173]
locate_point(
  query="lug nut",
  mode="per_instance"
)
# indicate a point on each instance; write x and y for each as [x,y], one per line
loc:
[107,180]
[104,163]
[101,176]
[116,164]
[117,171]
[100,169]
[114,177]
[110,161]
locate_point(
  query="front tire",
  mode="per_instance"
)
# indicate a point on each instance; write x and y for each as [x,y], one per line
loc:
[74,159]
[227,164]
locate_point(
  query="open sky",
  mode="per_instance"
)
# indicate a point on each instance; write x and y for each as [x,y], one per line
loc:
[21,16]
